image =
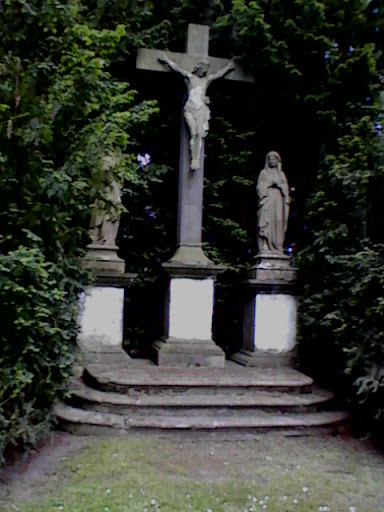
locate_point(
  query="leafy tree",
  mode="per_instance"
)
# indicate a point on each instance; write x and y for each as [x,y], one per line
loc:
[342,307]
[67,129]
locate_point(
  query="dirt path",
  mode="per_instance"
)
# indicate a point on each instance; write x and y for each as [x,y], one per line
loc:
[25,477]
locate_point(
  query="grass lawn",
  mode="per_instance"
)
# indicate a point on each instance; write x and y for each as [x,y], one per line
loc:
[218,473]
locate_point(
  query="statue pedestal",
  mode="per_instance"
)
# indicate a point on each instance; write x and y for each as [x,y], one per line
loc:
[188,312]
[103,258]
[101,322]
[269,313]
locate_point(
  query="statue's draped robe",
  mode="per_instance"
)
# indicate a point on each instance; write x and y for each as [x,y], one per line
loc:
[273,193]
[103,225]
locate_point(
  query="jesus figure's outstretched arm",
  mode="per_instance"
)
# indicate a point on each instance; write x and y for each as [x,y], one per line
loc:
[222,72]
[172,65]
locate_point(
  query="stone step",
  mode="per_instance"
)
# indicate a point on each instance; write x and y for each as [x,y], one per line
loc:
[90,422]
[207,380]
[195,402]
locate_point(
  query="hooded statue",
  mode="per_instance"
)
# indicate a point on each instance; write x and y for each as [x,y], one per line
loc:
[273,205]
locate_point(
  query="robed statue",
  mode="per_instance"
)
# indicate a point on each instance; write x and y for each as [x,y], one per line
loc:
[105,225]
[196,109]
[273,205]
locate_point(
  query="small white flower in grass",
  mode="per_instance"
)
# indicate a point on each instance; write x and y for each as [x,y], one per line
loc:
[106,509]
[352,509]
[153,501]
[254,499]
[295,501]
[298,466]
[251,509]
[61,507]
[209,510]
[284,498]
[264,506]
[305,490]
[108,491]
[266,498]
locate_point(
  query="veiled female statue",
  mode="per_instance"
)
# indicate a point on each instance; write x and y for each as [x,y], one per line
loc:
[273,195]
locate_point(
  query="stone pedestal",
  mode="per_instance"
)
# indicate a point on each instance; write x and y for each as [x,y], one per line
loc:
[188,312]
[103,258]
[101,322]
[270,313]
[101,334]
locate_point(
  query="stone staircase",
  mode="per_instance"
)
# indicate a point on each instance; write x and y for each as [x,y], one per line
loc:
[141,396]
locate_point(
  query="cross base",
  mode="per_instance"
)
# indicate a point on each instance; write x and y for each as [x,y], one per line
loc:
[189,310]
[174,352]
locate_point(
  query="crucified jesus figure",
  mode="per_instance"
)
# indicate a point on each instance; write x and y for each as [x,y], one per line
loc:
[196,109]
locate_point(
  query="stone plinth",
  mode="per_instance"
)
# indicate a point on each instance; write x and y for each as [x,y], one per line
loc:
[189,311]
[101,334]
[272,268]
[103,258]
[270,313]
[101,321]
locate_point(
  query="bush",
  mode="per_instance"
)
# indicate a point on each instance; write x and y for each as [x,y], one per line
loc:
[38,314]
[67,130]
[342,310]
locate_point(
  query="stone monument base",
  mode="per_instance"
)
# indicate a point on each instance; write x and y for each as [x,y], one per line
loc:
[269,313]
[100,339]
[264,359]
[188,312]
[174,352]
[272,268]
[103,258]
[101,335]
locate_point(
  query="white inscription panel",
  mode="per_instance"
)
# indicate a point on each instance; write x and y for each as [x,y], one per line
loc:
[275,322]
[191,308]
[102,318]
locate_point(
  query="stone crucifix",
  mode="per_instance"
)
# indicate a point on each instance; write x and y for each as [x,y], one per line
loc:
[198,70]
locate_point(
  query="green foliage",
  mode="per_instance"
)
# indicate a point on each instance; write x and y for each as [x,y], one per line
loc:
[67,130]
[342,268]
[38,314]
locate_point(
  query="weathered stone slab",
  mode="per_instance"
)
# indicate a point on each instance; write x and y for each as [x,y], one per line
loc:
[275,322]
[233,376]
[104,258]
[190,308]
[101,321]
[73,419]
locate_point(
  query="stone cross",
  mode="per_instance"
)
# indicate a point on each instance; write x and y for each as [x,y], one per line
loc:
[191,175]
